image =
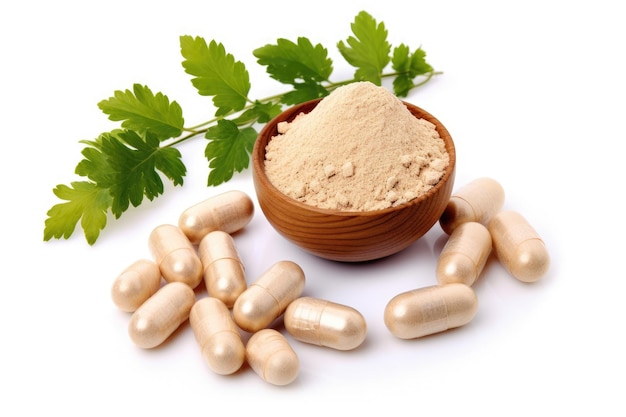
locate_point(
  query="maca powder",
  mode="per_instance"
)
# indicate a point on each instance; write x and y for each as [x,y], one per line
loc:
[359,149]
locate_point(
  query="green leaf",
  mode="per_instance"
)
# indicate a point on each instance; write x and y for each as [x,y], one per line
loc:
[290,62]
[85,201]
[259,113]
[142,111]
[401,63]
[126,164]
[216,73]
[228,150]
[94,165]
[408,66]
[304,92]
[369,50]
[402,85]
[419,66]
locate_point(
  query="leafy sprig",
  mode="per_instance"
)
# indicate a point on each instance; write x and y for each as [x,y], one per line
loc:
[123,167]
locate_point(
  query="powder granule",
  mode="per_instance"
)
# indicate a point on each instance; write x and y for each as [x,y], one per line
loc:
[359,149]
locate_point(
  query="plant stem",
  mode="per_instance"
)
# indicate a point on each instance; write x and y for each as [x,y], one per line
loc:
[182,139]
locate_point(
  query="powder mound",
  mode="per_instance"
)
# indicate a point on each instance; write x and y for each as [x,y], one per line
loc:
[359,149]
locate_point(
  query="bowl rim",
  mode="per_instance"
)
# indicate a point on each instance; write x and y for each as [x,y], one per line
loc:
[258,161]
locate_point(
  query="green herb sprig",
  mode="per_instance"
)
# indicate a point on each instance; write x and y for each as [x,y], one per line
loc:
[126,165]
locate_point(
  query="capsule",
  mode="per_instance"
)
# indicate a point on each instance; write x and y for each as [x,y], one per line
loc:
[135,284]
[272,358]
[224,275]
[324,323]
[175,255]
[430,310]
[477,201]
[518,246]
[268,297]
[161,315]
[463,257]
[218,336]
[228,212]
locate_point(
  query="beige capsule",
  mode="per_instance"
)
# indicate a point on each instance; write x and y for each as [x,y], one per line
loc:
[430,310]
[476,201]
[161,315]
[272,358]
[217,335]
[464,255]
[268,297]
[138,282]
[224,274]
[228,212]
[518,246]
[324,323]
[175,255]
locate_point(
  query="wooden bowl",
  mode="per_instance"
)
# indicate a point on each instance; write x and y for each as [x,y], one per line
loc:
[349,236]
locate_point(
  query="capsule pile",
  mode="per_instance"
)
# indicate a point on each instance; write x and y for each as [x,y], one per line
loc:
[477,226]
[160,292]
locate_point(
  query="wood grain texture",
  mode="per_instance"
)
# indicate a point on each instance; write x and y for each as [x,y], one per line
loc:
[343,235]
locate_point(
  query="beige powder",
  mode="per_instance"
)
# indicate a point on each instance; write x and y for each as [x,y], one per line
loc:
[359,149]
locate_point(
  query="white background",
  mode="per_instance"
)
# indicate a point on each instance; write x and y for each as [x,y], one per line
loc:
[533,95]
